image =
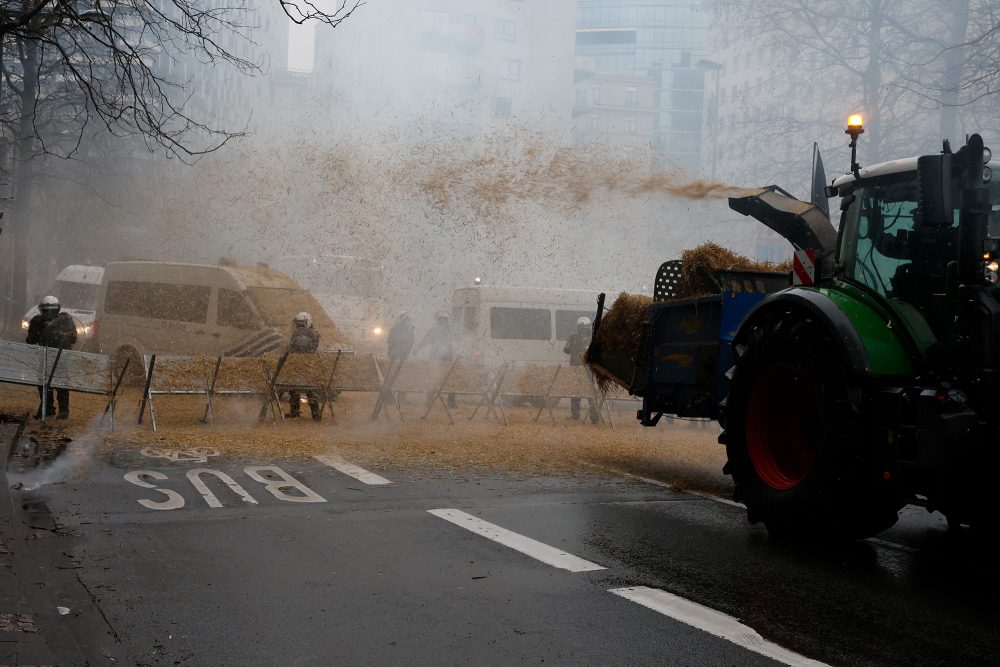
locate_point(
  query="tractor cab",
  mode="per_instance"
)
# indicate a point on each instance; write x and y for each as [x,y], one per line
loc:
[916,232]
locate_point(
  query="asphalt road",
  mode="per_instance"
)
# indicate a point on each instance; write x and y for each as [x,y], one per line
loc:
[304,564]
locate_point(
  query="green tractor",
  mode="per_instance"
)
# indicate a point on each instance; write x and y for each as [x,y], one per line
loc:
[872,384]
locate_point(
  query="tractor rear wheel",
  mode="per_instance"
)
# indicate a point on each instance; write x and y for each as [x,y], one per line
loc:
[800,456]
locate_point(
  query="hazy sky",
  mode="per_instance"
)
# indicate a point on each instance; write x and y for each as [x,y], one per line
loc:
[300,46]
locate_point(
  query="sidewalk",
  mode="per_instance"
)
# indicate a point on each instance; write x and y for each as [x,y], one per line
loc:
[21,640]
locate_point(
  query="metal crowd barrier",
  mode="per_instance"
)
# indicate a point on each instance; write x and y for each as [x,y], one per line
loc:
[327,374]
[54,368]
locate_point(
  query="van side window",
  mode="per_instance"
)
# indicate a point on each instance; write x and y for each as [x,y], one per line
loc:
[234,311]
[162,301]
[566,322]
[521,323]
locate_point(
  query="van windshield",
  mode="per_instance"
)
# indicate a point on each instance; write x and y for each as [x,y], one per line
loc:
[279,305]
[79,296]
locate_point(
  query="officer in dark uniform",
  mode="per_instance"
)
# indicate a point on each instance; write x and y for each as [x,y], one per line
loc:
[400,339]
[399,343]
[576,346]
[304,340]
[439,340]
[51,328]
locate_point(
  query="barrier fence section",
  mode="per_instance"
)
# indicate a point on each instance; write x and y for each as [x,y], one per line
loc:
[418,376]
[297,372]
[324,374]
[468,378]
[577,383]
[356,372]
[21,363]
[212,377]
[544,385]
[172,375]
[436,379]
[237,377]
[53,368]
[528,382]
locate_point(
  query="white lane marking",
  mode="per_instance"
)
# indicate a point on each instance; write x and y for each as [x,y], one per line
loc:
[666,485]
[713,622]
[526,545]
[351,470]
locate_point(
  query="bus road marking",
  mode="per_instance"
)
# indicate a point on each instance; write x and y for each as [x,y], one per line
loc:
[274,480]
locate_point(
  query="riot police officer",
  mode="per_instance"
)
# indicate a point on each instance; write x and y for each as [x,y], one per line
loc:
[576,346]
[438,340]
[304,340]
[52,328]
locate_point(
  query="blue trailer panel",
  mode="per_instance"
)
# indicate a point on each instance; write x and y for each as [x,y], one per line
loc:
[686,350]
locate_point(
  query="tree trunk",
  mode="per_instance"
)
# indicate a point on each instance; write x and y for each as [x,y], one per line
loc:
[954,64]
[17,297]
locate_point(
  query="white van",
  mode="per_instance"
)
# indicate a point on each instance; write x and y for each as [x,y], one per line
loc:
[174,308]
[498,324]
[78,288]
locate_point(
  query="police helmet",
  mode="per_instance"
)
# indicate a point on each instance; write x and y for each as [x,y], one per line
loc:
[49,304]
[303,319]
[443,314]
[583,322]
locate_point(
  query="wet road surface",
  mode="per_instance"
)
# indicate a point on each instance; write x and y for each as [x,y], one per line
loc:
[222,562]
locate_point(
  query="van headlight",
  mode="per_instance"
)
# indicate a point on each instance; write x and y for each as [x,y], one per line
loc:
[24,324]
[377,331]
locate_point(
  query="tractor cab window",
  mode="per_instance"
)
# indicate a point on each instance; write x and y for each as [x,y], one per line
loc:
[881,247]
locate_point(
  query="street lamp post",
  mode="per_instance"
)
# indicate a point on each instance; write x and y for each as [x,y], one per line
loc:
[711,65]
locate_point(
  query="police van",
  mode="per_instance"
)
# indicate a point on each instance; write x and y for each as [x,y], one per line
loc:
[498,324]
[168,307]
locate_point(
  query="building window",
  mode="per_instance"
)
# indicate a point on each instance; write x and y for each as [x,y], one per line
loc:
[510,69]
[440,22]
[630,125]
[502,107]
[505,30]
[631,95]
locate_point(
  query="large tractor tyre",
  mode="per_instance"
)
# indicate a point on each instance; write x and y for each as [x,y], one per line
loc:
[800,456]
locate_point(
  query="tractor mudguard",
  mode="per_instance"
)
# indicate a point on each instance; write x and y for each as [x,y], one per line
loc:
[869,341]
